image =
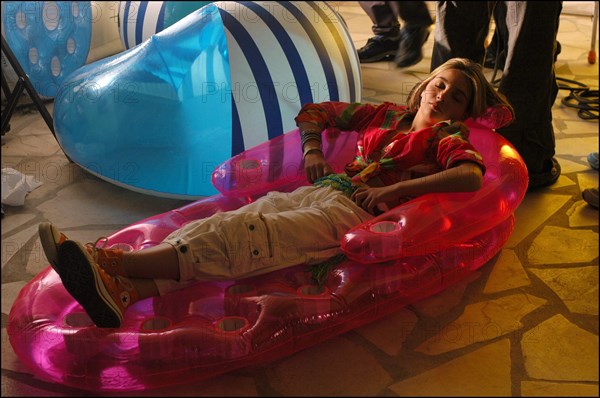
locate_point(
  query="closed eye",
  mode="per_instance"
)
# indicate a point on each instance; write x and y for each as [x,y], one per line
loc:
[459,97]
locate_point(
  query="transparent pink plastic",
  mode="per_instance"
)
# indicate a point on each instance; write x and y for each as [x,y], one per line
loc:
[408,253]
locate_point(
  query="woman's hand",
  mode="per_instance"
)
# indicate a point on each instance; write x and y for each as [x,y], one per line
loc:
[374,200]
[316,166]
[453,128]
[466,177]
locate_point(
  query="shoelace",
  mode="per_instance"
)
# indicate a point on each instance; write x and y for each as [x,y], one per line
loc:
[94,248]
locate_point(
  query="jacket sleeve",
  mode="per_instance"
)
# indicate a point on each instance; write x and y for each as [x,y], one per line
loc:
[340,115]
[454,146]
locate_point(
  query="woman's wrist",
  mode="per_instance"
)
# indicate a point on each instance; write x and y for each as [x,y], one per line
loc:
[310,135]
[310,150]
[311,141]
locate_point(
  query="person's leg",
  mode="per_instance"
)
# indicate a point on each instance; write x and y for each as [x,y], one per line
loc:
[160,261]
[460,31]
[413,14]
[144,267]
[384,15]
[414,32]
[307,228]
[529,83]
[156,262]
[590,195]
[495,55]
[386,29]
[275,232]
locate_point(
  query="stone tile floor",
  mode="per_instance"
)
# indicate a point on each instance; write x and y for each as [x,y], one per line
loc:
[525,324]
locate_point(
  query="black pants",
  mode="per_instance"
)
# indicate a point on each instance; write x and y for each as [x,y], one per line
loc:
[528,78]
[385,14]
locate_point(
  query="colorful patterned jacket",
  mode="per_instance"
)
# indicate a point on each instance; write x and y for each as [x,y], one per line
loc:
[384,151]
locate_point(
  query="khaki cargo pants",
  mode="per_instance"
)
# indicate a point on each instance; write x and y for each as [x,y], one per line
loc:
[277,231]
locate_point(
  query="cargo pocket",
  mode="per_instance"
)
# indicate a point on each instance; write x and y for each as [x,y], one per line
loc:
[246,238]
[258,237]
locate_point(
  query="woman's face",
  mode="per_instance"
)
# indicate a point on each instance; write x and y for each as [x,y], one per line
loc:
[446,97]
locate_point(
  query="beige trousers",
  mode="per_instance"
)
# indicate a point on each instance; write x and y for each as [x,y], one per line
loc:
[277,231]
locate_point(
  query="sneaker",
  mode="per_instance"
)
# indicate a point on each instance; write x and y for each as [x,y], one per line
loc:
[539,180]
[590,195]
[109,259]
[379,48]
[51,238]
[411,46]
[104,297]
[593,160]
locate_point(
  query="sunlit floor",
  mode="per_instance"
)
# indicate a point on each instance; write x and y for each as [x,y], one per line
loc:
[525,324]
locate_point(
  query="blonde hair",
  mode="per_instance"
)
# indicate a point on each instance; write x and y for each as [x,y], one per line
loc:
[484,94]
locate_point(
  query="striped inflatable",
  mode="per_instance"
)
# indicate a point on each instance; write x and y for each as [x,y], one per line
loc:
[285,54]
[138,20]
[158,118]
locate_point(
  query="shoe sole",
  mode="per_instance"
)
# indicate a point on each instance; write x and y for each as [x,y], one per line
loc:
[388,56]
[545,179]
[404,64]
[593,160]
[590,198]
[49,244]
[411,63]
[82,281]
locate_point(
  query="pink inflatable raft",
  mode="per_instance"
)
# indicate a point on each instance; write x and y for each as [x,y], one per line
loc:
[406,254]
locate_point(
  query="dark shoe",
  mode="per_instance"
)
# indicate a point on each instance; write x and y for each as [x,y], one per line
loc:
[109,259]
[378,48]
[539,180]
[411,44]
[590,195]
[558,50]
[103,297]
[51,238]
[593,160]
